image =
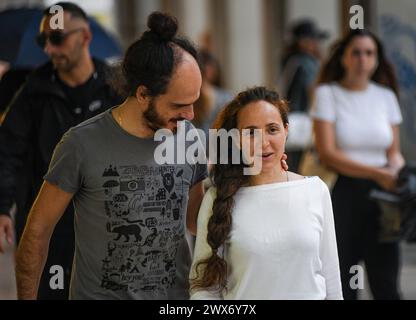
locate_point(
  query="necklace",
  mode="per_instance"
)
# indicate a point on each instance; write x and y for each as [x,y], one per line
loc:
[119,117]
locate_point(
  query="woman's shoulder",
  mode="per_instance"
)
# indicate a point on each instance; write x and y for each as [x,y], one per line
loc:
[317,183]
[381,89]
[324,87]
[292,176]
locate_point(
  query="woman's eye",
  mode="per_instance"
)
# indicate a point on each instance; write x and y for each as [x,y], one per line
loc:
[274,130]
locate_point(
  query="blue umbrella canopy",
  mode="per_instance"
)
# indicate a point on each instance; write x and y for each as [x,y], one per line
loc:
[19,48]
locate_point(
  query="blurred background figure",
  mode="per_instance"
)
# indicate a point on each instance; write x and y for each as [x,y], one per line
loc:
[4,66]
[357,117]
[58,95]
[300,67]
[20,53]
[212,97]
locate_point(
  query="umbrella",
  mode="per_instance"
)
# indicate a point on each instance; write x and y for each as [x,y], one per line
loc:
[19,48]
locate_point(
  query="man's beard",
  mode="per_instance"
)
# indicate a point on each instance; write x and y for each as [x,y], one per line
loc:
[154,120]
[65,63]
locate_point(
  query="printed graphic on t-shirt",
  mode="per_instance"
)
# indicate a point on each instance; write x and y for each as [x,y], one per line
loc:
[145,224]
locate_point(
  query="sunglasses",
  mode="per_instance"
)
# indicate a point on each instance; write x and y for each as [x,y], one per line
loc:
[56,37]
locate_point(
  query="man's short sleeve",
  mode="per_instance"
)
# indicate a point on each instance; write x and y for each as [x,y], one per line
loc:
[323,107]
[200,173]
[65,167]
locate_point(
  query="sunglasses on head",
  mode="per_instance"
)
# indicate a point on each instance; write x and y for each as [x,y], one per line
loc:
[55,37]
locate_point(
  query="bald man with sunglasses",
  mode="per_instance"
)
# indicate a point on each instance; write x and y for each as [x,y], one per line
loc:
[64,92]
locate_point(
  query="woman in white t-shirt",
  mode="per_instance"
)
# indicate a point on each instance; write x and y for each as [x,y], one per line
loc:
[357,119]
[269,235]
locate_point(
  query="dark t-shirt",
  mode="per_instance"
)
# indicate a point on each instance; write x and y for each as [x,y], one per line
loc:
[80,97]
[130,213]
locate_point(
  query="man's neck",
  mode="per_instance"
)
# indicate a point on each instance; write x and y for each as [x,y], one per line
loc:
[130,118]
[79,74]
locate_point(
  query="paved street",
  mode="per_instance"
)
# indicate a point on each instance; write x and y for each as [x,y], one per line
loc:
[7,282]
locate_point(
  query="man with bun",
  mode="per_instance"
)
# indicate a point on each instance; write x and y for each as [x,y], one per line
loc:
[131,214]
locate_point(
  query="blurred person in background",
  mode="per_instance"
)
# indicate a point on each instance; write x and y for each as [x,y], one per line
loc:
[300,68]
[212,98]
[10,83]
[357,117]
[67,90]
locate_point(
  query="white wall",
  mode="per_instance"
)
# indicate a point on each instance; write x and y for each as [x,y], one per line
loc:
[326,14]
[195,18]
[397,29]
[246,44]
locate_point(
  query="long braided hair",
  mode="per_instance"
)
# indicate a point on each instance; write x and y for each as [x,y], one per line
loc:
[228,178]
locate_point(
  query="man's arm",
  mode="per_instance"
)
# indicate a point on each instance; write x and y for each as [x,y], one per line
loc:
[196,194]
[46,211]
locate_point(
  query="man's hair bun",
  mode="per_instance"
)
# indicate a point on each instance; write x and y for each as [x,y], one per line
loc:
[163,25]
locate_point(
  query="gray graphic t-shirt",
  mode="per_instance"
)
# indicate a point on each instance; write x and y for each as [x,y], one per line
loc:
[130,213]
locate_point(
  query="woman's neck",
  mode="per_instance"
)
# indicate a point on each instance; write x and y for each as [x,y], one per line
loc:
[355,83]
[274,176]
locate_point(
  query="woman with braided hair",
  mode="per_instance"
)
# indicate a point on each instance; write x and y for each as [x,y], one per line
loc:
[264,236]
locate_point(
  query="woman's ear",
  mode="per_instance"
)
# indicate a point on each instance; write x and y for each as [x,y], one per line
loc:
[286,130]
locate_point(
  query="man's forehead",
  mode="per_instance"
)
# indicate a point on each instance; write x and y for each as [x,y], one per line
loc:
[185,89]
[68,22]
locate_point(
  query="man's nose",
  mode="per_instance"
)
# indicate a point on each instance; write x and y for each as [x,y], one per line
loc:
[49,48]
[188,113]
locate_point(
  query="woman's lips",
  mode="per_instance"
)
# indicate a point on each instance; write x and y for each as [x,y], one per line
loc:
[266,155]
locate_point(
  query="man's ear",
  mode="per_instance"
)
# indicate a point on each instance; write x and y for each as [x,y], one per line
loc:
[88,36]
[142,95]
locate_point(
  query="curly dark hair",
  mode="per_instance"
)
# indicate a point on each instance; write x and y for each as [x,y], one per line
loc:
[228,178]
